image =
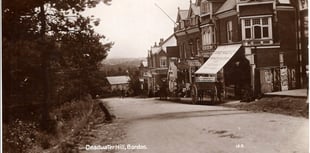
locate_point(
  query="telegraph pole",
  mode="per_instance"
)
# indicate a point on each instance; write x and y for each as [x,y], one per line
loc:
[165,13]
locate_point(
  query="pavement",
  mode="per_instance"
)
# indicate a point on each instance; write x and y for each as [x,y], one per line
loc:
[155,126]
[302,93]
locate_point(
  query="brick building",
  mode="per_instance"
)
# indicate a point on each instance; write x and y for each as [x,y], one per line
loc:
[188,35]
[252,45]
[158,63]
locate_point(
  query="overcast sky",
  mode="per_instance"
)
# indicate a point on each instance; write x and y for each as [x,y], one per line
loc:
[135,25]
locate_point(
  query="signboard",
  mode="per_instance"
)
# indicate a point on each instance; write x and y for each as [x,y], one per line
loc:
[193,63]
[218,59]
[284,78]
[205,79]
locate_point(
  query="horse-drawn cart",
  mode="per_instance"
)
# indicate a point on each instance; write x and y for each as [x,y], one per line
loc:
[206,89]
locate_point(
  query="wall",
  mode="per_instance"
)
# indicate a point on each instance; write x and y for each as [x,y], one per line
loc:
[286,29]
[221,30]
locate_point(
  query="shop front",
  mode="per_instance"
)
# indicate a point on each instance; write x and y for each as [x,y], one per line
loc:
[228,65]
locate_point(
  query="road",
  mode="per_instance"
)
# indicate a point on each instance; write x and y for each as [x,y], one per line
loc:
[166,127]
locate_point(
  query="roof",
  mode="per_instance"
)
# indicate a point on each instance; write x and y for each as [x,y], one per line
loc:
[195,9]
[170,41]
[156,49]
[144,63]
[113,80]
[228,5]
[182,14]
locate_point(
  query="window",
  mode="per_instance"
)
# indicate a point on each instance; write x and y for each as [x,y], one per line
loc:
[208,37]
[303,4]
[184,50]
[204,7]
[191,48]
[229,31]
[198,44]
[163,62]
[182,24]
[257,28]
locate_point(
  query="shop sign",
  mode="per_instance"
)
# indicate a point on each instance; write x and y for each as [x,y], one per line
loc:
[205,79]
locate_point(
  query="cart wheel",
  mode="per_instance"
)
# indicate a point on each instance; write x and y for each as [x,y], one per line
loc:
[194,94]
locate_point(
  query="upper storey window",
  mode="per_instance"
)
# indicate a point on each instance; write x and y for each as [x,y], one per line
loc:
[229,31]
[163,62]
[256,28]
[204,7]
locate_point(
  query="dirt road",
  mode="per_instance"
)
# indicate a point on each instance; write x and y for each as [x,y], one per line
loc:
[154,126]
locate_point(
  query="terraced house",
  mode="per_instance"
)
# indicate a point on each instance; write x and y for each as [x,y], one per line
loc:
[188,35]
[255,46]
[158,64]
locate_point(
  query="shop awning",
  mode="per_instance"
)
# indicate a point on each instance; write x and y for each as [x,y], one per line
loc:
[218,59]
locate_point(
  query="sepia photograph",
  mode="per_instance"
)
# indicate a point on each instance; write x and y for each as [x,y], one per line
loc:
[154,76]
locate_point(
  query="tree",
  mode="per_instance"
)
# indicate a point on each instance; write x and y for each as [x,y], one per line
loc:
[134,83]
[48,44]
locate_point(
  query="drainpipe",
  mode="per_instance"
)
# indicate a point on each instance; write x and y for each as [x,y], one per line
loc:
[298,43]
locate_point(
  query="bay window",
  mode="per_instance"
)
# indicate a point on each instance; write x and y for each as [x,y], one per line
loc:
[208,38]
[256,28]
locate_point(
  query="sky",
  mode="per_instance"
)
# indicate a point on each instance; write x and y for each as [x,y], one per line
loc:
[135,25]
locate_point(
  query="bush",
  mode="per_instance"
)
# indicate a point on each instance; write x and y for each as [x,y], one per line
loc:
[23,135]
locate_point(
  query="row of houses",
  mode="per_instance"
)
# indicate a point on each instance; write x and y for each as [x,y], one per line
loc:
[256,45]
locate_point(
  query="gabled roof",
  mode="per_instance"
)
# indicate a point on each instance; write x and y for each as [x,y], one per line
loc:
[195,10]
[114,80]
[144,63]
[170,41]
[166,40]
[156,49]
[182,15]
[228,5]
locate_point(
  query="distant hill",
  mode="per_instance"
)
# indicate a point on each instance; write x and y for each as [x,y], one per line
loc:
[129,61]
[119,66]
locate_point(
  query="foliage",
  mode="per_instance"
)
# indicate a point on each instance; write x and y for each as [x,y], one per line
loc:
[19,136]
[24,136]
[134,83]
[50,35]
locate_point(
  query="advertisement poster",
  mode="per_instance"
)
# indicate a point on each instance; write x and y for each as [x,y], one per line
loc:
[284,78]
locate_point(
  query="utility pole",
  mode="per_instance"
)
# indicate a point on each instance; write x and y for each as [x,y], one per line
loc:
[165,13]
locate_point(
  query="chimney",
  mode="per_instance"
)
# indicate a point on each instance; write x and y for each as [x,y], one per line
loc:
[161,41]
[155,44]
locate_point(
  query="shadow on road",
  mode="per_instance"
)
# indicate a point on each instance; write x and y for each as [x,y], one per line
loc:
[182,115]
[189,102]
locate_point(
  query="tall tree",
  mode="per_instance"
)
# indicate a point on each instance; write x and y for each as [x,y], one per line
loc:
[44,35]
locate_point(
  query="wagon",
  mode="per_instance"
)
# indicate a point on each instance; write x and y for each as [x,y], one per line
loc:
[205,82]
[205,89]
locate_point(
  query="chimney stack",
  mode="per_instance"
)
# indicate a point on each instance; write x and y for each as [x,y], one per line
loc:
[161,41]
